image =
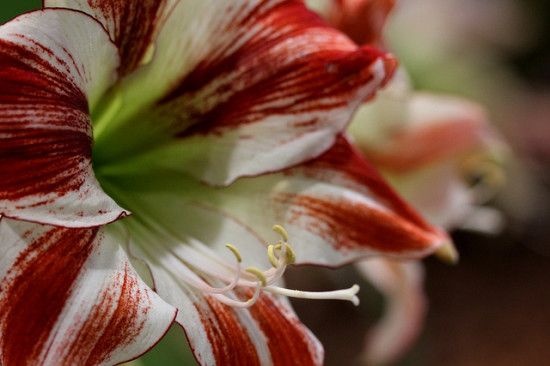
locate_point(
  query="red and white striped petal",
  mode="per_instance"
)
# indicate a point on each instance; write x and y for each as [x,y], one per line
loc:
[401,283]
[54,66]
[336,209]
[268,333]
[434,128]
[256,86]
[71,297]
[132,25]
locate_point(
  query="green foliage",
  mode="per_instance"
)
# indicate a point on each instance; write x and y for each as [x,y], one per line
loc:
[9,9]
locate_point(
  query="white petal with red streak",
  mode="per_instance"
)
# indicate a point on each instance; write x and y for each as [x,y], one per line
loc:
[131,24]
[55,65]
[336,209]
[401,283]
[255,87]
[70,296]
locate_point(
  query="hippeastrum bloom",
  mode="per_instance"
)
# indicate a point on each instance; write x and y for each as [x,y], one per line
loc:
[125,126]
[430,147]
[440,152]
[442,155]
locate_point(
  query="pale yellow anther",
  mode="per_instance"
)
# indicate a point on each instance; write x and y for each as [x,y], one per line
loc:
[281,231]
[290,255]
[235,252]
[259,275]
[271,255]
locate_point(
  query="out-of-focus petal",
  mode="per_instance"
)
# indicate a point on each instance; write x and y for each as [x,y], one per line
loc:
[71,297]
[54,66]
[441,155]
[362,20]
[435,128]
[401,283]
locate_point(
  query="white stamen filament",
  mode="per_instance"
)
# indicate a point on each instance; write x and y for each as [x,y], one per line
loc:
[240,304]
[349,294]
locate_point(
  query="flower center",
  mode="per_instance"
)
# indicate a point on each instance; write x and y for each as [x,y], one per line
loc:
[113,151]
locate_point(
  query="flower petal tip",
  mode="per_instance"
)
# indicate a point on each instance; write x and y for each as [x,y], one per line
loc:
[390,66]
[389,61]
[448,253]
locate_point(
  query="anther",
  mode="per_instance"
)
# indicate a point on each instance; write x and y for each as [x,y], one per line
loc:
[235,252]
[259,275]
[271,256]
[288,252]
[281,231]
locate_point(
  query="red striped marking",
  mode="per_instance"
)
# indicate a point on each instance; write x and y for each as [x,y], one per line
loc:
[229,340]
[288,340]
[323,79]
[349,225]
[115,321]
[36,289]
[132,25]
[46,143]
[345,159]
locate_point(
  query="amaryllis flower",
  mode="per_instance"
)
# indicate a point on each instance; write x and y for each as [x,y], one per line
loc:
[121,123]
[441,153]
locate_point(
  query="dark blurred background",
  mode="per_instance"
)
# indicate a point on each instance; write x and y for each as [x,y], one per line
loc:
[493,308]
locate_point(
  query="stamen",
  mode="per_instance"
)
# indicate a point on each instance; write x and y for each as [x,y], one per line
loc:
[204,287]
[485,175]
[213,267]
[349,294]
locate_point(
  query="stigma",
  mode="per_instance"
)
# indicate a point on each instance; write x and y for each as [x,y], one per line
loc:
[280,255]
